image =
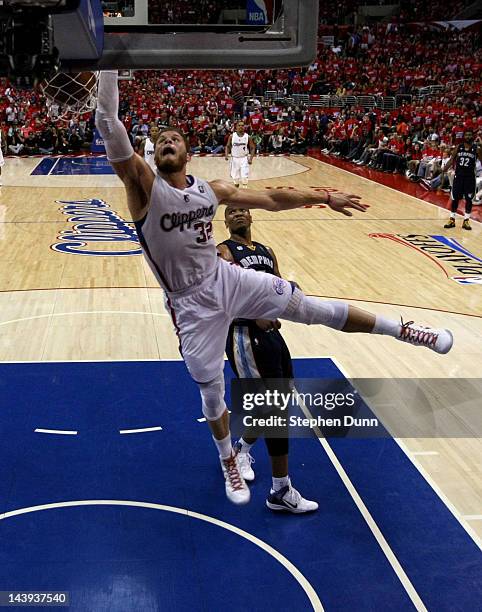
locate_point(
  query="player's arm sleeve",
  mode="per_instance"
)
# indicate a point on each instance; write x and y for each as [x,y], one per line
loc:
[116,140]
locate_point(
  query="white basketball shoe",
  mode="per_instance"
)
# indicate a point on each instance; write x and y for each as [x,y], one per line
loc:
[288,499]
[438,340]
[237,490]
[244,461]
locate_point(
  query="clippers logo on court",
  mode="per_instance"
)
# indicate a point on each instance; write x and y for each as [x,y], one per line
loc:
[279,285]
[95,224]
[446,253]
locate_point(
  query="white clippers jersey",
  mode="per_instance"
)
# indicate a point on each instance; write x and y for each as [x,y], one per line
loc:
[176,234]
[239,145]
[149,154]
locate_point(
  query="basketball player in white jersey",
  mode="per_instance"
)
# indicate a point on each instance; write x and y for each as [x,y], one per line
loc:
[241,147]
[146,150]
[173,213]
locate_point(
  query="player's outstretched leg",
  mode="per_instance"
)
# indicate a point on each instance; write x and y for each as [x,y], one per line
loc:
[217,416]
[343,317]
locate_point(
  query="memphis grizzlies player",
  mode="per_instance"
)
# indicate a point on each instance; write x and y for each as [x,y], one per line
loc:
[241,147]
[146,150]
[173,213]
[465,159]
[256,349]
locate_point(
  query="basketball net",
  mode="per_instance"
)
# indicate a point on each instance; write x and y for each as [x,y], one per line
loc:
[68,100]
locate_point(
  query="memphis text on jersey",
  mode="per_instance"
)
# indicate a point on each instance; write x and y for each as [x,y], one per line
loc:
[95,223]
[446,253]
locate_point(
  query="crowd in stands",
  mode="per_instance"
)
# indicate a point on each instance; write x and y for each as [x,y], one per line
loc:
[431,10]
[342,11]
[28,129]
[381,61]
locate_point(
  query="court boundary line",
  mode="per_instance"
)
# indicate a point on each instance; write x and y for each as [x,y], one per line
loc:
[428,479]
[87,312]
[438,491]
[327,297]
[60,432]
[275,554]
[140,430]
[50,171]
[366,514]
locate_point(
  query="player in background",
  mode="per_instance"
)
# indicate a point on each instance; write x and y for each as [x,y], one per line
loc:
[147,146]
[256,349]
[241,148]
[464,158]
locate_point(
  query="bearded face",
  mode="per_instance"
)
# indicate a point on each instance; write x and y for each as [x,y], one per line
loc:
[170,153]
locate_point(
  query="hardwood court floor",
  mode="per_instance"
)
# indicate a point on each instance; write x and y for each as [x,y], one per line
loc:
[57,305]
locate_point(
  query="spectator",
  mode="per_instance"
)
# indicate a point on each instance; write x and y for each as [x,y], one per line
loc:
[15,140]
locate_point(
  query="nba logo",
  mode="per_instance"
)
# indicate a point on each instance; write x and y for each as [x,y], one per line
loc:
[201,189]
[259,12]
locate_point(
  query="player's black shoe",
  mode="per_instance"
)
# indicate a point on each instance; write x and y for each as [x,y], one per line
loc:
[450,223]
[466,225]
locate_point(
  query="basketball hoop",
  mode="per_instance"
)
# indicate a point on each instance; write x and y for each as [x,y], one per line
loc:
[73,94]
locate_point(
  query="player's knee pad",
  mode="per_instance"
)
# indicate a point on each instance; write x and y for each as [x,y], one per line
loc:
[212,395]
[315,311]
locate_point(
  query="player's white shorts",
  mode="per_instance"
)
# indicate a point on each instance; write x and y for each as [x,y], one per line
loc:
[239,168]
[202,314]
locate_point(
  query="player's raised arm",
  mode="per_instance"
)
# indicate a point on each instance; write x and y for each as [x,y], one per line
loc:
[278,200]
[130,167]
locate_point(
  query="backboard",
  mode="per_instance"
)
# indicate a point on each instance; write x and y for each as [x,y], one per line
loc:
[158,34]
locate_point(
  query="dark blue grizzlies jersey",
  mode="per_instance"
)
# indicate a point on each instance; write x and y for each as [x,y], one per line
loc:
[465,161]
[257,258]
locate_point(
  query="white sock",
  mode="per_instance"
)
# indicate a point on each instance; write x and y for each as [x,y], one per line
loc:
[224,446]
[279,483]
[386,327]
[245,447]
[452,215]
[467,216]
